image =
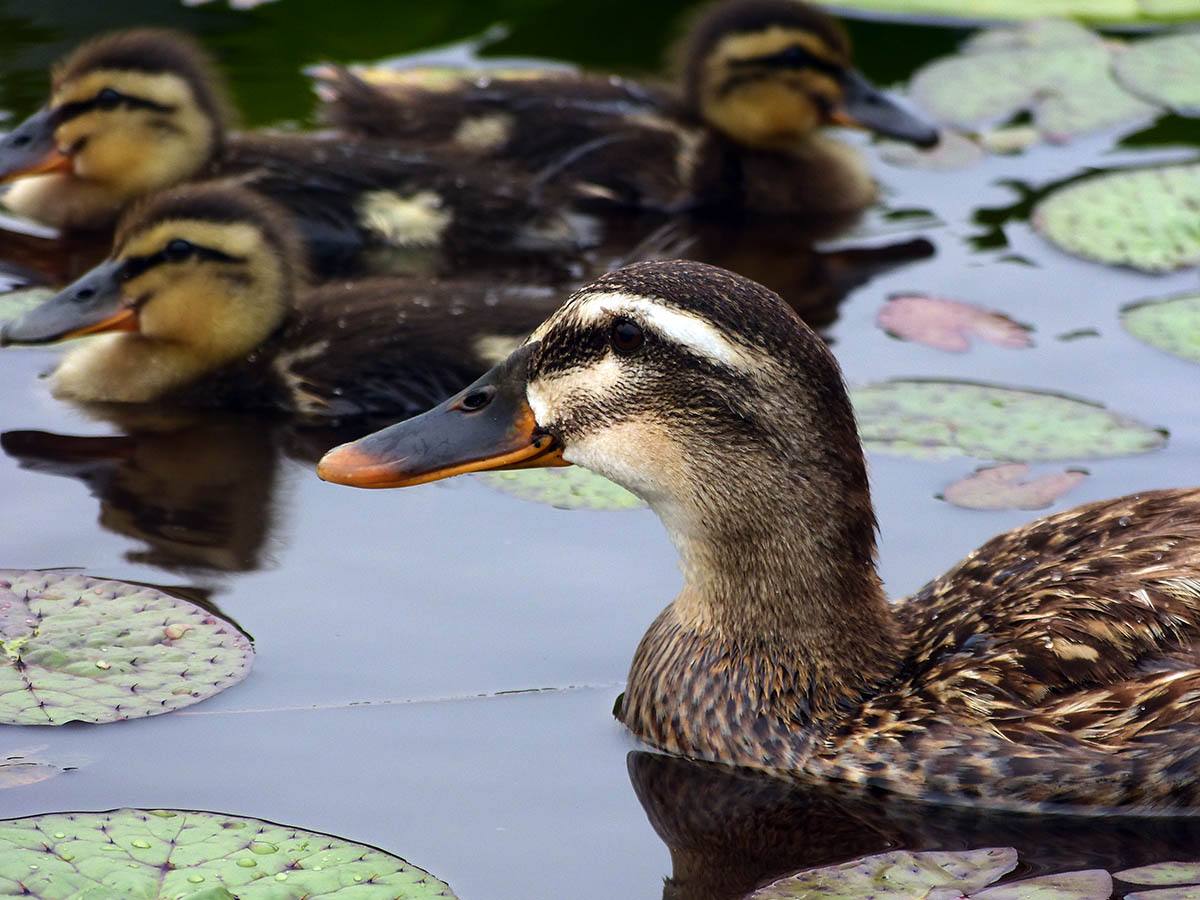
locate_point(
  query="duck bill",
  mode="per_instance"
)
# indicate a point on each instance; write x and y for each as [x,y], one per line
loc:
[865,106]
[91,305]
[484,427]
[30,149]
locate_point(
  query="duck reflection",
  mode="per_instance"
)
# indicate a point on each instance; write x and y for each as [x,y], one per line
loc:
[197,491]
[730,830]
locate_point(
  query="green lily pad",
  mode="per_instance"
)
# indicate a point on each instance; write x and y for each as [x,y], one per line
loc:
[1172,324]
[1091,884]
[1058,72]
[79,649]
[17,303]
[563,488]
[1164,70]
[899,875]
[1162,873]
[943,419]
[177,854]
[1143,218]
[1106,11]
[1170,893]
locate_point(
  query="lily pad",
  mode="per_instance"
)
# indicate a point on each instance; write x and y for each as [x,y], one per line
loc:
[943,419]
[1172,324]
[17,303]
[20,769]
[1143,218]
[900,875]
[564,488]
[948,324]
[1162,873]
[173,853]
[1106,11]
[79,649]
[1009,487]
[1191,892]
[1091,884]
[1164,70]
[1059,73]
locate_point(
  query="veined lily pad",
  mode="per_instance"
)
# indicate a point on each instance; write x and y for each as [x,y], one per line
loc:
[1106,11]
[79,649]
[1091,884]
[1172,324]
[564,488]
[1058,72]
[900,875]
[942,419]
[171,854]
[1144,218]
[1008,487]
[1162,873]
[1190,892]
[1164,70]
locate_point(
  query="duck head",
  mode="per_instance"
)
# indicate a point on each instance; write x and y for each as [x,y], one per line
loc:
[199,276]
[768,73]
[129,113]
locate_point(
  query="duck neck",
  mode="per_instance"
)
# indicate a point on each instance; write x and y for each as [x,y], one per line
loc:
[781,617]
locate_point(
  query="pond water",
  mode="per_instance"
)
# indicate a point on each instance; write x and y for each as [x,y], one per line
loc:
[436,667]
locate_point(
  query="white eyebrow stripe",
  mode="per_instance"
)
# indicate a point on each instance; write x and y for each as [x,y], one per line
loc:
[684,328]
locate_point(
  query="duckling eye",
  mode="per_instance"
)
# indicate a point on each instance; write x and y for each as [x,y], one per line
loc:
[626,336]
[108,99]
[178,250]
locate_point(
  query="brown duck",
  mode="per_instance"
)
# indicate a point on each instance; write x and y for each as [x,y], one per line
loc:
[134,112]
[1055,667]
[203,302]
[759,80]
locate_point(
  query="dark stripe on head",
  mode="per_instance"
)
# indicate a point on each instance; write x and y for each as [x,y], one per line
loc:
[153,51]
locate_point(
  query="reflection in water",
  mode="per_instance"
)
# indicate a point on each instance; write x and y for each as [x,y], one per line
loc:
[197,491]
[732,830]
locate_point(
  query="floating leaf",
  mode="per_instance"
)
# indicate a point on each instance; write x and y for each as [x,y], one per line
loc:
[900,875]
[20,769]
[79,649]
[17,303]
[564,488]
[1164,70]
[1170,893]
[941,419]
[1092,884]
[1107,11]
[1058,72]
[1162,873]
[1144,218]
[1007,487]
[171,854]
[1172,324]
[948,324]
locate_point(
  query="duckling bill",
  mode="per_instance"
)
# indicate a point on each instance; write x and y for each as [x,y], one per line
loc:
[1054,668]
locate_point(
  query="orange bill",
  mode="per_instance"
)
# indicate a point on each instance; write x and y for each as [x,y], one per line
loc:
[484,427]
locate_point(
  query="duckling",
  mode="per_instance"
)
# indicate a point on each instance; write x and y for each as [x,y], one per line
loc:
[760,78]
[203,303]
[138,111]
[1055,667]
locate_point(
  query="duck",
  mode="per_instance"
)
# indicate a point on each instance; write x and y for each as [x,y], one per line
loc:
[134,112]
[1054,668]
[204,302]
[759,80]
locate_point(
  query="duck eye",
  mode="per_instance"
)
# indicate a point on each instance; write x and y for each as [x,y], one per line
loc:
[477,400]
[108,99]
[627,336]
[178,250]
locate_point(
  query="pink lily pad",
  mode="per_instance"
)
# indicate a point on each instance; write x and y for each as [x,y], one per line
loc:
[949,324]
[1008,486]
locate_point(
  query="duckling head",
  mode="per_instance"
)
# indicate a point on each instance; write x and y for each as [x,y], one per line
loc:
[129,113]
[704,394]
[199,276]
[768,73]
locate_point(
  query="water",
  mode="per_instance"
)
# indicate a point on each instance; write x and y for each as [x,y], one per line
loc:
[436,667]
